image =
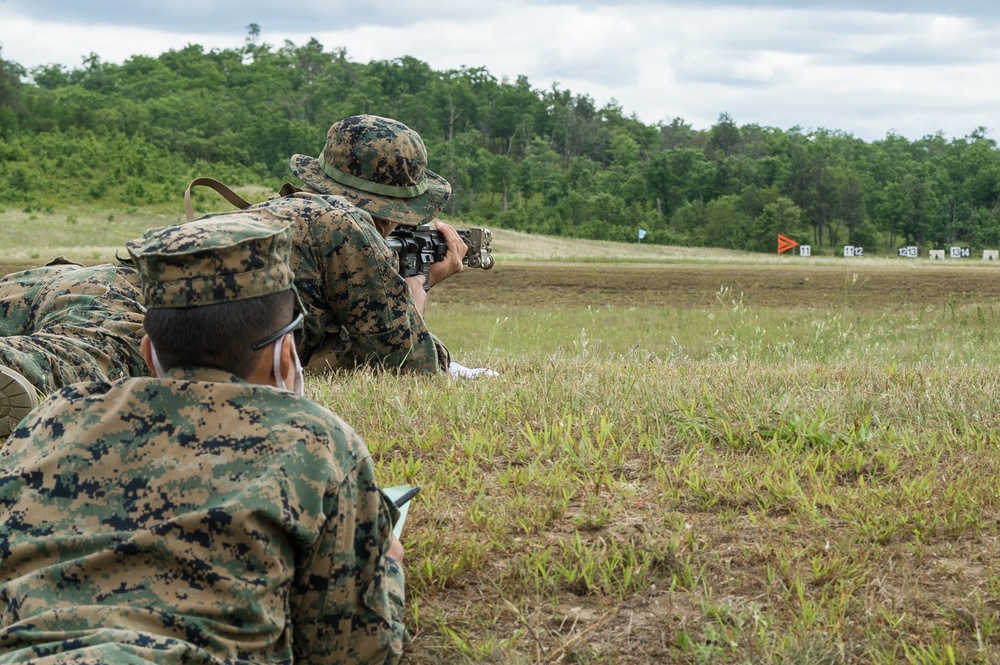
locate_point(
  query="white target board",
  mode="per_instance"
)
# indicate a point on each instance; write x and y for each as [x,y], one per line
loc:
[991,254]
[936,254]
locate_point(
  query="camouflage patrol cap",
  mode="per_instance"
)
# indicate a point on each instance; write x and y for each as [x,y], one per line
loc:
[214,259]
[380,165]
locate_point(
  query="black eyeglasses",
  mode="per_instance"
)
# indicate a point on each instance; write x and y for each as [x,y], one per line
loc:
[296,324]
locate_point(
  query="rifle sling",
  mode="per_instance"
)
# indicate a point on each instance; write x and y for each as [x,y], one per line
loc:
[212,183]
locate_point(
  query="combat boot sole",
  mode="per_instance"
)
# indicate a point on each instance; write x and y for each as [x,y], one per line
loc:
[17,398]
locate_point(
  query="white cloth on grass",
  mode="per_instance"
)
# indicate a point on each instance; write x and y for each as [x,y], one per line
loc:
[456,369]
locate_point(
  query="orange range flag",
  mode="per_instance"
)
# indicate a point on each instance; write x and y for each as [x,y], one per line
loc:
[785,244]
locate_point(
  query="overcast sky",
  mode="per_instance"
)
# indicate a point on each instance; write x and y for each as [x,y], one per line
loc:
[866,68]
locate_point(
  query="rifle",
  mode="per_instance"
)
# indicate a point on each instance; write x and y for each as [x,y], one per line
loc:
[419,246]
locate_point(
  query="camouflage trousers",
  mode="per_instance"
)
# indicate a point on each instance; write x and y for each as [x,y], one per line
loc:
[335,354]
[61,324]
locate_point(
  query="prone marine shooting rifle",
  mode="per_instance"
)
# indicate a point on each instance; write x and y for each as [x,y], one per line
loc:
[419,246]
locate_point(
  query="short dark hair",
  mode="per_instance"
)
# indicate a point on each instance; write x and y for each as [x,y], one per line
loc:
[220,335]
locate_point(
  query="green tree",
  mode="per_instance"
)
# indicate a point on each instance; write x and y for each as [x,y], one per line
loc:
[677,177]
[909,209]
[253,33]
[10,96]
[724,139]
[726,225]
[539,160]
[781,216]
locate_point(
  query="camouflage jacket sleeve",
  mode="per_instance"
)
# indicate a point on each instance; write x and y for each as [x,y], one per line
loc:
[348,564]
[347,276]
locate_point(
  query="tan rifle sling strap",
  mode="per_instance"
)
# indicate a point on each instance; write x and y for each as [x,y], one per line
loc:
[287,189]
[212,183]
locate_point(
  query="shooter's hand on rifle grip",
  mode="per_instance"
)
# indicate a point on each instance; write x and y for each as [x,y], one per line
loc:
[452,263]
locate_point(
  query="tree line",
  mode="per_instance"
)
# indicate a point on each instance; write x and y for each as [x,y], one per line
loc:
[539,160]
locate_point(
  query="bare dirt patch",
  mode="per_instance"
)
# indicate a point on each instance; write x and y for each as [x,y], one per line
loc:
[675,281]
[697,285]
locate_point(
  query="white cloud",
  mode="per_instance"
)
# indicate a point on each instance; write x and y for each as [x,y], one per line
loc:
[33,43]
[595,46]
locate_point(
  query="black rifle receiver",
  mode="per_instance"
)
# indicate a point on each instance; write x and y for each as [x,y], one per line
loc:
[419,246]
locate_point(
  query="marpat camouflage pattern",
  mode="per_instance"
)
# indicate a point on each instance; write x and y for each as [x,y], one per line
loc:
[378,164]
[217,258]
[356,303]
[60,324]
[193,519]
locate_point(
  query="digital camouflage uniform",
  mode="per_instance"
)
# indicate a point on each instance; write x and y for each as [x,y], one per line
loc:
[64,323]
[358,308]
[67,323]
[380,166]
[195,518]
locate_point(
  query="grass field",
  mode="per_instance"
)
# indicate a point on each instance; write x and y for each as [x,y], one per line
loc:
[693,457]
[746,462]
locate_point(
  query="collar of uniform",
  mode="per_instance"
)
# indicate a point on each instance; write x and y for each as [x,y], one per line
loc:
[205,374]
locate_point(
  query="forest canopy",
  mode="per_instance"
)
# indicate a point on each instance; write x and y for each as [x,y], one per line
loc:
[538,160]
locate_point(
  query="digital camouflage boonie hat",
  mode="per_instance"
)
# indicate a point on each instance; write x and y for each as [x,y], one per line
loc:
[215,259]
[379,165]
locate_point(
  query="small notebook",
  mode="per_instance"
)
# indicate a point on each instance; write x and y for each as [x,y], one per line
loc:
[394,493]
